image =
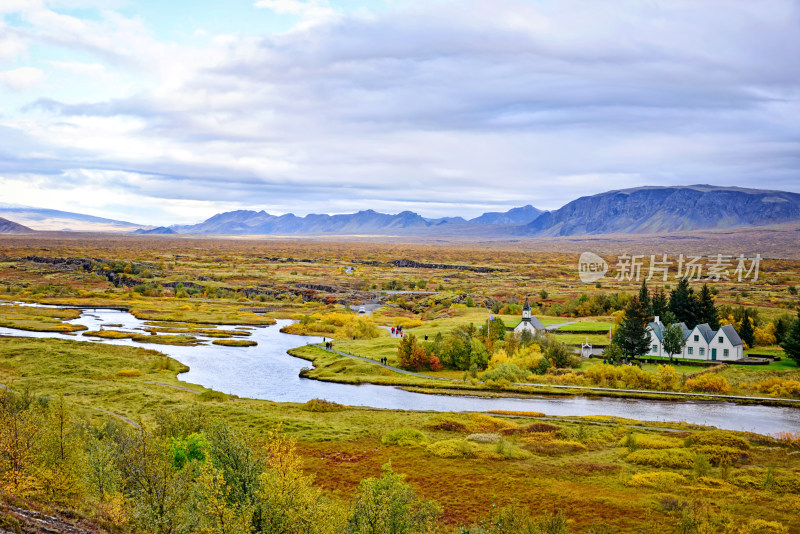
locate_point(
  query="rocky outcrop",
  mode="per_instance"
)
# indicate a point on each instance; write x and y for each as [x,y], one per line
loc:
[419,265]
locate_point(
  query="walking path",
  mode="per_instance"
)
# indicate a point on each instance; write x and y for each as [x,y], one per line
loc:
[588,389]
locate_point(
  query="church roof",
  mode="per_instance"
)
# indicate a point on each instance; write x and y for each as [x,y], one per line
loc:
[527,306]
[534,321]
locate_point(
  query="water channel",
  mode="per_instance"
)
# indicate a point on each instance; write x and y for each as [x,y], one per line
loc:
[267,372]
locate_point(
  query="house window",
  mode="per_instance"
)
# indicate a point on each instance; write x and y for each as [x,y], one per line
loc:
[655,348]
[721,340]
[697,338]
[724,352]
[702,351]
[689,350]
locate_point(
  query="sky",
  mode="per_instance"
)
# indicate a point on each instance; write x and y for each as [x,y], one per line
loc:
[163,113]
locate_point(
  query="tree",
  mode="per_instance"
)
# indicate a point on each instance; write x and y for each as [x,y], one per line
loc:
[644,299]
[659,303]
[791,343]
[683,303]
[387,505]
[558,354]
[746,331]
[632,337]
[673,340]
[708,312]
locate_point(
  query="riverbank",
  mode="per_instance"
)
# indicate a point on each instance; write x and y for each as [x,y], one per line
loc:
[332,366]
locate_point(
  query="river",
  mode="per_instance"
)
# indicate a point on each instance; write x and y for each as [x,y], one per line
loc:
[268,372]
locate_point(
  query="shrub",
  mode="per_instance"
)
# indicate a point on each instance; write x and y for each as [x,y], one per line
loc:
[664,481]
[532,429]
[510,451]
[675,458]
[321,405]
[718,438]
[129,373]
[708,383]
[404,437]
[778,387]
[645,441]
[211,395]
[506,371]
[449,426]
[453,448]
[556,447]
[719,455]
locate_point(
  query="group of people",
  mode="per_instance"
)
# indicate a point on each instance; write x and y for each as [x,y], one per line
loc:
[385,360]
[328,344]
[398,330]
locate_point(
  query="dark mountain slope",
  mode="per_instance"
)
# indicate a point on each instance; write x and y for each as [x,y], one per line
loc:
[667,209]
[10,227]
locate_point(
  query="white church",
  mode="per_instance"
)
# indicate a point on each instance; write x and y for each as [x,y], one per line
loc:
[531,324]
[702,343]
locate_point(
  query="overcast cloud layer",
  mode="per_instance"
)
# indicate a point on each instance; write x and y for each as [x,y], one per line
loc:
[440,107]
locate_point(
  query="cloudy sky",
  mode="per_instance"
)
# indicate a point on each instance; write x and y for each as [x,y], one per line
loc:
[169,112]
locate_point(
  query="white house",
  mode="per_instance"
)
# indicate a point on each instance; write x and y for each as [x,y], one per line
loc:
[702,343]
[531,324]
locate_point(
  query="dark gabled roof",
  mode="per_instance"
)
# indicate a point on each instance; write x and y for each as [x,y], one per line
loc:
[685,329]
[534,321]
[732,335]
[658,329]
[706,332]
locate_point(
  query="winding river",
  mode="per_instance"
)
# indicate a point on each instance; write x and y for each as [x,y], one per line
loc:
[268,372]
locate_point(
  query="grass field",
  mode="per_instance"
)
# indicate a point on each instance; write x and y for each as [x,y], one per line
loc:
[579,465]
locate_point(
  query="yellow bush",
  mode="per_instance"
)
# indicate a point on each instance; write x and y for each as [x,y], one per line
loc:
[718,438]
[663,481]
[404,437]
[453,448]
[554,447]
[675,458]
[779,387]
[760,526]
[667,378]
[129,373]
[708,383]
[645,441]
[718,455]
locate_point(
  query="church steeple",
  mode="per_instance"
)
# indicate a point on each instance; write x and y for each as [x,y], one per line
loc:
[526,310]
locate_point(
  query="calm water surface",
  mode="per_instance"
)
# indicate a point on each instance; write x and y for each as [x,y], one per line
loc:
[267,372]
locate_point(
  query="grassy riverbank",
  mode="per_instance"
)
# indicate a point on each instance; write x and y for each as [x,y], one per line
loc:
[599,470]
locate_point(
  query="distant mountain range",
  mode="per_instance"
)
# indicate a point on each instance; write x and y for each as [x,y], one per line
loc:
[46,220]
[639,210]
[654,210]
[10,227]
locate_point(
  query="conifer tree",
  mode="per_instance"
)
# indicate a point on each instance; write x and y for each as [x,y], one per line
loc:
[683,303]
[791,343]
[632,336]
[746,331]
[708,310]
[659,303]
[644,299]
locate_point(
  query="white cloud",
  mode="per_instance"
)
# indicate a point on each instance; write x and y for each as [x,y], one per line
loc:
[21,78]
[450,108]
[311,12]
